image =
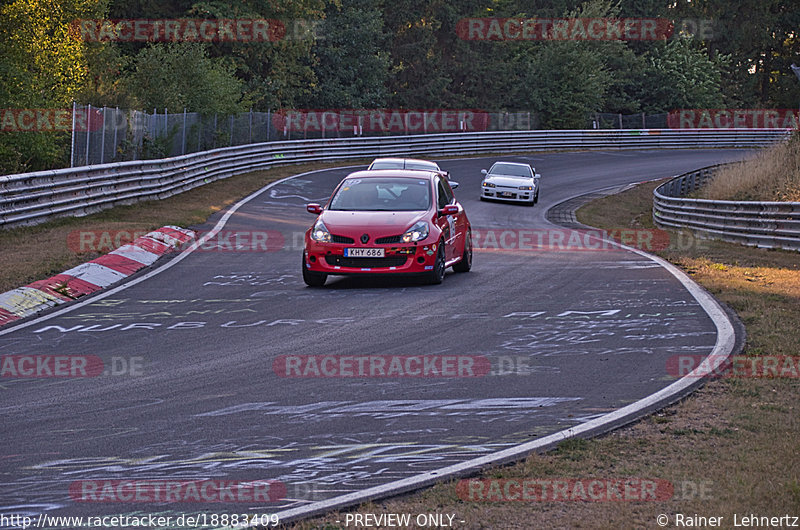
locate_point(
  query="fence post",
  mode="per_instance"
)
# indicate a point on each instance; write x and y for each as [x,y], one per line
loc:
[251,126]
[116,113]
[103,138]
[72,147]
[183,141]
[644,122]
[214,136]
[230,121]
[268,123]
[88,120]
[620,120]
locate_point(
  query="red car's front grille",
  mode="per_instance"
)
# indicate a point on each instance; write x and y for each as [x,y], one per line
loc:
[388,239]
[365,263]
[342,239]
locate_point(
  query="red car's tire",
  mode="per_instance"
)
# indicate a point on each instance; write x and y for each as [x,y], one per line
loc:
[466,258]
[313,279]
[436,276]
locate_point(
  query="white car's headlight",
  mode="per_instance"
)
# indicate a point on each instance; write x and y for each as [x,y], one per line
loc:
[418,232]
[320,233]
[526,187]
[488,185]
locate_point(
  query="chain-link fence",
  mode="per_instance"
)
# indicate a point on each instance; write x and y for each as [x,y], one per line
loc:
[103,135]
[604,120]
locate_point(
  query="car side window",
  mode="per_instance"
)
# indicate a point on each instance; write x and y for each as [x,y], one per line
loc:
[448,191]
[441,194]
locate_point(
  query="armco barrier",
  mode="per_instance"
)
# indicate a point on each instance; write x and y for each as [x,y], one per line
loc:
[759,224]
[32,198]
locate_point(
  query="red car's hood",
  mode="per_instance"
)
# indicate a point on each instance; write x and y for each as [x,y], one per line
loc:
[377,224]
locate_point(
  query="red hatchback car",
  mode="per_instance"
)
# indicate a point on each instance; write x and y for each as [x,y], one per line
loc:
[388,222]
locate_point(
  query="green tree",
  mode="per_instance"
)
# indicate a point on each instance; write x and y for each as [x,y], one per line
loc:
[352,66]
[42,65]
[565,81]
[182,75]
[276,74]
[679,76]
[760,39]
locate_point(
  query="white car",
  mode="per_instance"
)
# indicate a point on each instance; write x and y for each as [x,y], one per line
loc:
[511,181]
[407,163]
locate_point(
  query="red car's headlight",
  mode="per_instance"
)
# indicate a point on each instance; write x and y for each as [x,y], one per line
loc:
[418,232]
[320,233]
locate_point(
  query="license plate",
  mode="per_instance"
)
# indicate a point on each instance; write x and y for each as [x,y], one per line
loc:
[506,194]
[363,253]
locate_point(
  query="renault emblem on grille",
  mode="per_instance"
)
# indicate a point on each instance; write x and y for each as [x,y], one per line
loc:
[364,238]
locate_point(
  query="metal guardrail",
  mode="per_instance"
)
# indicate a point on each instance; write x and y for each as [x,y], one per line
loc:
[759,224]
[32,198]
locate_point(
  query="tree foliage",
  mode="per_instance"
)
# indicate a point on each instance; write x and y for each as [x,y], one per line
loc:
[352,64]
[182,75]
[398,53]
[43,66]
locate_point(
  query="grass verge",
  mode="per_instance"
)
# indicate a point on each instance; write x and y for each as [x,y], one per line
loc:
[731,448]
[773,175]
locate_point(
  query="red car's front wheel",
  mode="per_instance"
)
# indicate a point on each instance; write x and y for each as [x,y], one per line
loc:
[466,258]
[313,279]
[436,276]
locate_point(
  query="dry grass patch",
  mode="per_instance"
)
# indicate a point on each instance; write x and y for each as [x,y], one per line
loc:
[773,175]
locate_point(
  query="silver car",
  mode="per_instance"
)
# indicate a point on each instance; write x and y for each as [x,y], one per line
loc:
[407,163]
[511,181]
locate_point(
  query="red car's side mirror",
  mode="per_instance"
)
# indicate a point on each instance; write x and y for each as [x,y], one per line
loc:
[314,208]
[450,209]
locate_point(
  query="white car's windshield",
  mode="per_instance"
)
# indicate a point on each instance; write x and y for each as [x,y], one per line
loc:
[511,170]
[383,194]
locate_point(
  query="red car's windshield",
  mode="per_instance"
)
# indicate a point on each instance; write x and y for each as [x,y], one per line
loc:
[383,194]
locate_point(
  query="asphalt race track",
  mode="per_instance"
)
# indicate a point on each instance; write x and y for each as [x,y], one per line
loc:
[582,332]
